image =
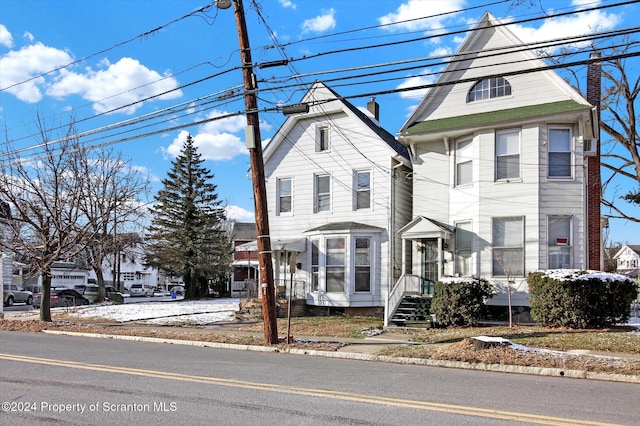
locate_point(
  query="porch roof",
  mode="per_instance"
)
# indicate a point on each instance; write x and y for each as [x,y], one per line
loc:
[424,227]
[343,226]
[277,244]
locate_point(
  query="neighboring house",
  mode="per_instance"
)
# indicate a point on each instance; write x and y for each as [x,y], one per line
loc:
[628,260]
[130,268]
[244,275]
[338,189]
[63,274]
[499,158]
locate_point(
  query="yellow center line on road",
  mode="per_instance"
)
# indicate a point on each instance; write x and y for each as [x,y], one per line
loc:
[346,396]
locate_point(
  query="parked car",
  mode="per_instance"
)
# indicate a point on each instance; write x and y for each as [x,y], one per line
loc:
[62,297]
[178,289]
[90,291]
[13,293]
[141,290]
[112,294]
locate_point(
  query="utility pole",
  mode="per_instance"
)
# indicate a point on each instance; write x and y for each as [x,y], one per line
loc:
[253,140]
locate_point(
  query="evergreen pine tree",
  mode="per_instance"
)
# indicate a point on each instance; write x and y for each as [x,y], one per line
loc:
[187,234]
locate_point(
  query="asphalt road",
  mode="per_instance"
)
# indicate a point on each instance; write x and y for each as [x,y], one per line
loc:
[79,380]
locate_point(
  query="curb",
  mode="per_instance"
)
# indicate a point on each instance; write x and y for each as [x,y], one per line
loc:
[496,368]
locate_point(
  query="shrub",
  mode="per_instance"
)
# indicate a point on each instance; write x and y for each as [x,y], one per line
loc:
[460,301]
[579,299]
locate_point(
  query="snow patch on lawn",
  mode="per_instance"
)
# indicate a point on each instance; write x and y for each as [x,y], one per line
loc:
[196,312]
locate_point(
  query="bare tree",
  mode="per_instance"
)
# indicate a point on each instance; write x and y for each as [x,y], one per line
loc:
[110,199]
[503,259]
[621,149]
[46,223]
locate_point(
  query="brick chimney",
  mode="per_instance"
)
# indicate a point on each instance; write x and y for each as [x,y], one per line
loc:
[374,108]
[594,184]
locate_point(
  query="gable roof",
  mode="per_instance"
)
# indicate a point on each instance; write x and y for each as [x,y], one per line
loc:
[424,227]
[633,247]
[316,109]
[490,36]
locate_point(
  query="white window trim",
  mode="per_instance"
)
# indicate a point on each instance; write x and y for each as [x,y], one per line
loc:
[456,162]
[495,155]
[571,151]
[521,246]
[356,191]
[278,197]
[353,254]
[570,242]
[316,194]
[319,129]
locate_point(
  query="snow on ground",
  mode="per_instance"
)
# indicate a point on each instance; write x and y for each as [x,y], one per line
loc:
[196,312]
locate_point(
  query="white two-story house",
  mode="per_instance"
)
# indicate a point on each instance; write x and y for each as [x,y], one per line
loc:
[499,150]
[338,189]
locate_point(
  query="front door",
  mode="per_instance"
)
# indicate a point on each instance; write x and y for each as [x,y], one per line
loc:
[429,263]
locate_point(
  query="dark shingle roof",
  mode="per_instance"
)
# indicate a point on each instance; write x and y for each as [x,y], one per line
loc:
[382,133]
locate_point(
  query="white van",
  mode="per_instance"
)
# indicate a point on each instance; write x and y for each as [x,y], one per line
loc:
[141,290]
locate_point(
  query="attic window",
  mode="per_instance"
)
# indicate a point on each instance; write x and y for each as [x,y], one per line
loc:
[489,88]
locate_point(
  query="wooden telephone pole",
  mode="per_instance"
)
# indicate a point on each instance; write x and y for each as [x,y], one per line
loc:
[253,140]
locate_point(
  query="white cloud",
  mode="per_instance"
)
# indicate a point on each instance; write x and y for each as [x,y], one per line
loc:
[217,139]
[412,82]
[565,26]
[287,4]
[123,83]
[413,9]
[321,23]
[24,64]
[239,214]
[28,36]
[6,39]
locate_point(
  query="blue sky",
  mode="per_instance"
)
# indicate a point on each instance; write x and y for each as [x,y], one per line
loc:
[167,66]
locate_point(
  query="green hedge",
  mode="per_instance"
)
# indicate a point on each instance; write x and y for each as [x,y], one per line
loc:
[580,299]
[460,301]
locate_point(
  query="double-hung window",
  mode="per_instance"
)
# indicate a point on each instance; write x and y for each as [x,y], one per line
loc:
[323,193]
[464,162]
[335,264]
[363,264]
[508,246]
[284,196]
[507,154]
[559,161]
[559,234]
[362,190]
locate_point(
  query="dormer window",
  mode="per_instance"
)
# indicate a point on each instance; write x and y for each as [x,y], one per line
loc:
[489,88]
